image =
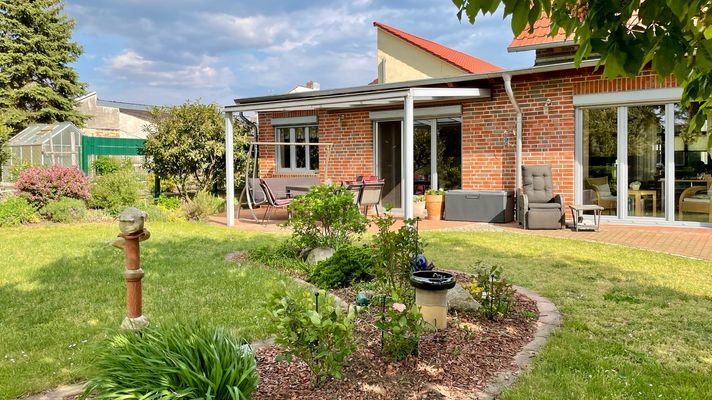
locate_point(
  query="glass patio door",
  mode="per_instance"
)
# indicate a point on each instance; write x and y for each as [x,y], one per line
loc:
[645,160]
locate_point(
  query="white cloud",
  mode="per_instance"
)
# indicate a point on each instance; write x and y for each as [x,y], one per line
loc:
[128,59]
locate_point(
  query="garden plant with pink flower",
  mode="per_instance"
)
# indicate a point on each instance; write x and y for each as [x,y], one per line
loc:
[40,185]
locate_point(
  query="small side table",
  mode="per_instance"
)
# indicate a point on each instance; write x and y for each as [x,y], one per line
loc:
[580,223]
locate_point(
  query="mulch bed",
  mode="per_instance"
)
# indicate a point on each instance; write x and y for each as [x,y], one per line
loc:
[451,364]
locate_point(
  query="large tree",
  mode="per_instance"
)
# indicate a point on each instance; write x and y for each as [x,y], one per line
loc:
[186,143]
[669,36]
[37,81]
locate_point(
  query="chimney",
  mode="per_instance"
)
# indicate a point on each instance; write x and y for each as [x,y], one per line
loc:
[312,85]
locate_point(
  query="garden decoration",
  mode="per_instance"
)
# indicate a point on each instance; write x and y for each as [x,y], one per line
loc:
[431,295]
[419,262]
[131,225]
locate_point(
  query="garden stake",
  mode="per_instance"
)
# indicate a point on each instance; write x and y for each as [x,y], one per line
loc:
[383,319]
[131,222]
[317,301]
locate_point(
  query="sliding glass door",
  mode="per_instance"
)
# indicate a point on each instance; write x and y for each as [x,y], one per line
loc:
[641,162]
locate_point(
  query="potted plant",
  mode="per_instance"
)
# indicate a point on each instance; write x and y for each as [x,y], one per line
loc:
[419,206]
[434,203]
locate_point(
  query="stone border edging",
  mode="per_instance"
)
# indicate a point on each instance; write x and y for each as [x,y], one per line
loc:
[549,320]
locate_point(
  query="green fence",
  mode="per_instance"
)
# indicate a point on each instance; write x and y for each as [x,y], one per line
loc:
[102,146]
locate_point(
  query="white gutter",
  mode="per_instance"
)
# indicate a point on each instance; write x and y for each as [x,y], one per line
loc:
[518,157]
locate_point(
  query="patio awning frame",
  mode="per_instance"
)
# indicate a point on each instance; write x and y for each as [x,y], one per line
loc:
[407,97]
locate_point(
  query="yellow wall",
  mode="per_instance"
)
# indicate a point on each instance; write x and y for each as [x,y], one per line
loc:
[406,62]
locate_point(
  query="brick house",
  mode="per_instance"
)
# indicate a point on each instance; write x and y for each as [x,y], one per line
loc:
[620,143]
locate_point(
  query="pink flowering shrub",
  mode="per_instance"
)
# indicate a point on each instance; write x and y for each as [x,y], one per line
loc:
[40,185]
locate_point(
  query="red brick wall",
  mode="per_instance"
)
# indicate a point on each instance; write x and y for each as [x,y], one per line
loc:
[488,130]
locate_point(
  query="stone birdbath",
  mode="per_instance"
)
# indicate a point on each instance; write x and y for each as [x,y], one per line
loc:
[431,295]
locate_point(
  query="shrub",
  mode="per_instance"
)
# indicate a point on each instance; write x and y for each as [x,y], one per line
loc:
[168,202]
[202,205]
[191,362]
[114,191]
[316,332]
[15,211]
[65,210]
[40,185]
[282,255]
[393,252]
[325,216]
[162,214]
[402,325]
[104,165]
[493,291]
[348,265]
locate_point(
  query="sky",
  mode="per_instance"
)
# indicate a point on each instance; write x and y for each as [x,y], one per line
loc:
[164,52]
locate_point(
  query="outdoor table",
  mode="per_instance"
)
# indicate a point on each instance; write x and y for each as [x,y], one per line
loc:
[580,223]
[638,195]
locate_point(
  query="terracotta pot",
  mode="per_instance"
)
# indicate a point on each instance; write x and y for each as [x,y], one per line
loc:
[434,205]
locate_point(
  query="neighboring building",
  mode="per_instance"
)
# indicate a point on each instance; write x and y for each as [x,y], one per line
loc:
[308,87]
[620,142]
[113,118]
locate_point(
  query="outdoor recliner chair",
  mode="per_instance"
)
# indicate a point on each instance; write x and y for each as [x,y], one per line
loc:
[537,206]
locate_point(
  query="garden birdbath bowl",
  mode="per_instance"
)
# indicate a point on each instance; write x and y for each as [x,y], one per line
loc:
[431,295]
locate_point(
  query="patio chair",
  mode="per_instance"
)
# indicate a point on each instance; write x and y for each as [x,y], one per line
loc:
[355,189]
[371,196]
[272,201]
[537,206]
[602,189]
[697,199]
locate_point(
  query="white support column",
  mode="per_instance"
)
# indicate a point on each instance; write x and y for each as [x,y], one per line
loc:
[229,170]
[408,155]
[434,154]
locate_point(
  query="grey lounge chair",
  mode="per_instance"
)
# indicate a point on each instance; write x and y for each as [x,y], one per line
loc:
[537,206]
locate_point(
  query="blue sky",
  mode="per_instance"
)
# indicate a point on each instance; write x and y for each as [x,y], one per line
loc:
[167,51]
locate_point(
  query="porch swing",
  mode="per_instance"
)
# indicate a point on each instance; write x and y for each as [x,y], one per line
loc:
[250,193]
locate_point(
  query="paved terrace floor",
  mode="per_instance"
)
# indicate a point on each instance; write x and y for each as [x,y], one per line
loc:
[688,242]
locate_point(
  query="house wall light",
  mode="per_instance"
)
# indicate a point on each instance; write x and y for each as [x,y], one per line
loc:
[547,104]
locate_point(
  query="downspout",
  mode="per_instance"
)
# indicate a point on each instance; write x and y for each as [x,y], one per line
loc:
[518,156]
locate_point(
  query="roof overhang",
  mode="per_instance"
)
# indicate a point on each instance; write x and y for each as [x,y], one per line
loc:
[374,98]
[541,46]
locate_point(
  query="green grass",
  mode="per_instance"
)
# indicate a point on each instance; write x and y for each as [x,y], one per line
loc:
[62,292]
[637,324]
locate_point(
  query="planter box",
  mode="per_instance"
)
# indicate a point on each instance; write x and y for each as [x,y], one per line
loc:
[479,206]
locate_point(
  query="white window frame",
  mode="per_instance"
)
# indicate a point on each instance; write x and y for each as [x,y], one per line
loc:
[293,153]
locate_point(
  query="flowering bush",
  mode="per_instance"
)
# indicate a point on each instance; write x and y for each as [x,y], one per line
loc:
[435,192]
[402,325]
[40,185]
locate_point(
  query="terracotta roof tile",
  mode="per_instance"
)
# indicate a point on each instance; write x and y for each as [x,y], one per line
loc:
[461,60]
[539,36]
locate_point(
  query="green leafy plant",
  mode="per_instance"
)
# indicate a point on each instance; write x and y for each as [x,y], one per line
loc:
[393,251]
[348,265]
[178,362]
[494,292]
[65,210]
[104,165]
[202,205]
[15,211]
[114,191]
[325,216]
[168,202]
[282,255]
[402,326]
[312,328]
[435,192]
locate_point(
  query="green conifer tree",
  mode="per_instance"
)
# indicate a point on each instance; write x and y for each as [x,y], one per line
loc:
[37,81]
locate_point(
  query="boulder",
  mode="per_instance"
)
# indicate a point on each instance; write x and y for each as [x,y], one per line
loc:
[319,254]
[459,299]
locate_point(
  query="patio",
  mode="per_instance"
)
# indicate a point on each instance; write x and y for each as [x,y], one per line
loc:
[687,242]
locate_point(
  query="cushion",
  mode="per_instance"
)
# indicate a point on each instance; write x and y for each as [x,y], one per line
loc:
[603,190]
[537,184]
[542,206]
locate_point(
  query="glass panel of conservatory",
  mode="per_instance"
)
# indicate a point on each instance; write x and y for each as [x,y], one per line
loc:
[600,149]
[693,170]
[313,150]
[646,161]
[285,150]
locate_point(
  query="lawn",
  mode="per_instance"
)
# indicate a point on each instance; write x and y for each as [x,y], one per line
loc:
[62,292]
[637,324]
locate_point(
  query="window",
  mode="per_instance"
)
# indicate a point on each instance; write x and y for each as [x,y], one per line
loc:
[299,156]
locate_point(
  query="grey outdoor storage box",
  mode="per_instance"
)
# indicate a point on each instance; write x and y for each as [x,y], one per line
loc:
[479,206]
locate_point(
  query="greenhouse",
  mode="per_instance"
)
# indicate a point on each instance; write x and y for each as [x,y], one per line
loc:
[45,144]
